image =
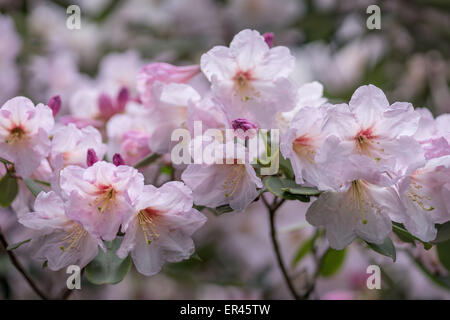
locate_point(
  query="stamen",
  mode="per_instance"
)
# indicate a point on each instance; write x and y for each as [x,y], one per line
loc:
[365,143]
[148,226]
[359,198]
[418,199]
[234,179]
[105,199]
[73,237]
[242,82]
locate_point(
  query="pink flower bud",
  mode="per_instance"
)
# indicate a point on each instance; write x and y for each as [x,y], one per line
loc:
[105,104]
[122,98]
[118,160]
[243,124]
[244,128]
[268,37]
[91,157]
[55,104]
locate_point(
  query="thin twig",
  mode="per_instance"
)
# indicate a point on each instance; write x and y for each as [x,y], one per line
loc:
[20,268]
[272,210]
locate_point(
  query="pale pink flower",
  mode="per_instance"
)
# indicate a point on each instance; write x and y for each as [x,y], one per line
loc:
[302,141]
[162,227]
[101,197]
[362,208]
[425,194]
[308,95]
[70,145]
[169,112]
[230,179]
[165,73]
[24,134]
[118,70]
[370,127]
[251,77]
[129,133]
[433,134]
[58,239]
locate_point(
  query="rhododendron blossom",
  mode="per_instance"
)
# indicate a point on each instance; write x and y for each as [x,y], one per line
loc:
[24,133]
[70,145]
[230,180]
[425,196]
[251,77]
[165,73]
[371,127]
[101,197]
[162,227]
[58,239]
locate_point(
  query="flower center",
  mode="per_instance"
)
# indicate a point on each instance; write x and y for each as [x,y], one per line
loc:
[366,143]
[234,179]
[242,83]
[73,237]
[106,197]
[15,135]
[146,222]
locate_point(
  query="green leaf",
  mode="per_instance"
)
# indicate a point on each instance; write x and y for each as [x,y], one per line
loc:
[443,232]
[443,250]
[405,236]
[17,245]
[387,248]
[223,209]
[304,249]
[33,186]
[332,261]
[8,190]
[286,167]
[147,160]
[276,185]
[107,267]
[305,191]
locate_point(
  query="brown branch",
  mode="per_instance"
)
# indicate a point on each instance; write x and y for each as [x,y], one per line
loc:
[20,268]
[273,236]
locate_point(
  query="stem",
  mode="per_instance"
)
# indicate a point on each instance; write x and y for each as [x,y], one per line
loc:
[273,235]
[20,268]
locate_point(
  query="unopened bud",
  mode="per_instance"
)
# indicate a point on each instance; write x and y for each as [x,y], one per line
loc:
[55,104]
[91,157]
[268,37]
[105,105]
[122,98]
[118,160]
[243,124]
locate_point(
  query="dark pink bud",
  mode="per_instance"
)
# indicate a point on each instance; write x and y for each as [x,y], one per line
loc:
[243,124]
[91,157]
[268,37]
[122,98]
[105,105]
[118,160]
[55,104]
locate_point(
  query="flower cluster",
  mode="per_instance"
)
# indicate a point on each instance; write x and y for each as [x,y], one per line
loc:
[371,161]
